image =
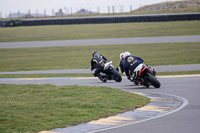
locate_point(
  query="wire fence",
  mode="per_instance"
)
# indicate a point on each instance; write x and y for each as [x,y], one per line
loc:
[64,12]
[116,9]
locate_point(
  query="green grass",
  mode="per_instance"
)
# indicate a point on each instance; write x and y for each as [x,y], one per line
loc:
[33,108]
[78,57]
[97,31]
[178,73]
[84,75]
[179,10]
[44,75]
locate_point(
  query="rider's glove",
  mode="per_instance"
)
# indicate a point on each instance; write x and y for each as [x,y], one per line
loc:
[92,68]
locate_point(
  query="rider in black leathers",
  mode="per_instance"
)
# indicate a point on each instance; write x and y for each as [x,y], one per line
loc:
[96,63]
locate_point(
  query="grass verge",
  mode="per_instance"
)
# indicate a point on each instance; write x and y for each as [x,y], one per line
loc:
[99,31]
[44,75]
[178,73]
[78,57]
[33,108]
[84,75]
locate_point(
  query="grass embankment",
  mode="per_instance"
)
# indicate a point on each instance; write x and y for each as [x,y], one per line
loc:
[78,57]
[33,108]
[99,31]
[44,75]
[169,11]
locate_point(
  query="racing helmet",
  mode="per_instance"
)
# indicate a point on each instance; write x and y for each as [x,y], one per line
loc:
[125,54]
[121,55]
[94,52]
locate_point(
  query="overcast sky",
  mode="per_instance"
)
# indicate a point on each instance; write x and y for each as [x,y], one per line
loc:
[13,6]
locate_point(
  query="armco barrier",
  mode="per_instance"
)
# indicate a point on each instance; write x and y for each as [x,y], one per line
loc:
[103,19]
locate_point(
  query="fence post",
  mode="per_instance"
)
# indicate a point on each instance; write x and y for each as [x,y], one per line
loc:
[18,15]
[130,8]
[37,13]
[10,16]
[98,10]
[53,12]
[44,12]
[65,10]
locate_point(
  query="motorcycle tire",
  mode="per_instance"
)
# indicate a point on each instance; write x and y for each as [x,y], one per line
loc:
[153,80]
[116,76]
[103,79]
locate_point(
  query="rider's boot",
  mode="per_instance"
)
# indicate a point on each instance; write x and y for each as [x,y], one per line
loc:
[96,74]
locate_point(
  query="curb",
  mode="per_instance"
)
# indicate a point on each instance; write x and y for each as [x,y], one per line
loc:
[161,105]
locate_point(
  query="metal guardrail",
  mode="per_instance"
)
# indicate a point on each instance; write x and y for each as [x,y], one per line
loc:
[102,19]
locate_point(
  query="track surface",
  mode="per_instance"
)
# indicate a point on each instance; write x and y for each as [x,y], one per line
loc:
[183,121]
[85,42]
[186,120]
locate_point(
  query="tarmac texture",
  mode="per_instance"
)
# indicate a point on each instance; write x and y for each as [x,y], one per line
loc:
[87,42]
[161,104]
[174,107]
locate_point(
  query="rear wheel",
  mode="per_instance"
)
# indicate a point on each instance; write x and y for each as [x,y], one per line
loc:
[116,76]
[153,80]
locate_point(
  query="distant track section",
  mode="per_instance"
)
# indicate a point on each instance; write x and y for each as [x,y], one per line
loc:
[102,19]
[113,41]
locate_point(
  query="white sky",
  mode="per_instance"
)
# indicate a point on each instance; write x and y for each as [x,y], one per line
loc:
[13,6]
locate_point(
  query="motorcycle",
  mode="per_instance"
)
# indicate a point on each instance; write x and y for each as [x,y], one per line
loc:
[145,75]
[109,72]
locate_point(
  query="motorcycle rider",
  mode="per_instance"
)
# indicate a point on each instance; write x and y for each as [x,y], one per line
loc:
[121,63]
[130,64]
[97,63]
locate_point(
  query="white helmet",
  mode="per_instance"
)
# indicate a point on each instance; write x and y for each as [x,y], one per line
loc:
[121,55]
[125,54]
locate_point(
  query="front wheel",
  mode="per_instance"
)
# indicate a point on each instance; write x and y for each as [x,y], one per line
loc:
[103,79]
[116,76]
[153,80]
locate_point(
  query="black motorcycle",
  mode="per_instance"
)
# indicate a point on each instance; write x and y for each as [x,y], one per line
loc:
[109,72]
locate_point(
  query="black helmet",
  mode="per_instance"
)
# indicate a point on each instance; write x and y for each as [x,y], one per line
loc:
[94,52]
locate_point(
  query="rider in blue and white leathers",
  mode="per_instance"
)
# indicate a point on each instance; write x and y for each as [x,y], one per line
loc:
[130,63]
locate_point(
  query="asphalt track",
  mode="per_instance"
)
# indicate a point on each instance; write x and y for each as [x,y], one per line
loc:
[184,120]
[138,40]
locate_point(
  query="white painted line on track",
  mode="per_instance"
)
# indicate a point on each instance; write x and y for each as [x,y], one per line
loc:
[185,103]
